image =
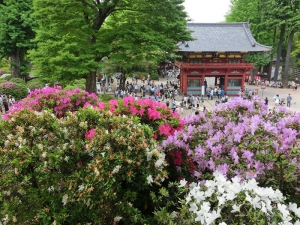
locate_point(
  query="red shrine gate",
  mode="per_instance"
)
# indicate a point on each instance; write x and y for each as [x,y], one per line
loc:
[228,76]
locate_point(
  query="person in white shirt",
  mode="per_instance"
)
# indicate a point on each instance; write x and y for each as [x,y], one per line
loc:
[11,100]
[277,99]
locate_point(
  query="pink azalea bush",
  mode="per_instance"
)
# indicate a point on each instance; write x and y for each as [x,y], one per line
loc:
[163,121]
[153,113]
[57,100]
[242,138]
[17,90]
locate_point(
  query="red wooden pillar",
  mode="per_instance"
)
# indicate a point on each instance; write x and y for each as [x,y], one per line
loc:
[183,80]
[243,80]
[226,82]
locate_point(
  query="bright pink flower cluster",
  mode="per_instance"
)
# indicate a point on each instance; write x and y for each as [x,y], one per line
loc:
[153,113]
[60,101]
[90,134]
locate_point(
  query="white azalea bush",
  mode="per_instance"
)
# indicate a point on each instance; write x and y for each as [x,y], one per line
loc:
[220,201]
[89,167]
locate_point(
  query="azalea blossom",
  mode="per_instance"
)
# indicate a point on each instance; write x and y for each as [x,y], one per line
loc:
[264,199]
[150,179]
[65,199]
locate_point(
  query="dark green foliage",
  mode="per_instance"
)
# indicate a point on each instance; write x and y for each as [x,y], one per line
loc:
[244,10]
[132,34]
[16,33]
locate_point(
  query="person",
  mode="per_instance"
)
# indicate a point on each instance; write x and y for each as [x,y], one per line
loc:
[277,99]
[288,100]
[174,105]
[219,93]
[11,100]
[266,101]
[249,94]
[202,100]
[192,109]
[211,94]
[181,107]
[197,112]
[5,103]
[222,92]
[185,101]
[226,99]
[197,102]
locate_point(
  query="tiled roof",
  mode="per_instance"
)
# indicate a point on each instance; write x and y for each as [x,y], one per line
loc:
[222,37]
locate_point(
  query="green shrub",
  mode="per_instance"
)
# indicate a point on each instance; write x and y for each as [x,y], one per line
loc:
[18,91]
[154,76]
[7,78]
[69,87]
[106,98]
[17,80]
[80,83]
[91,167]
[35,84]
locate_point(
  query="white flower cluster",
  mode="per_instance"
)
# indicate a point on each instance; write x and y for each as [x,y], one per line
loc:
[160,162]
[263,199]
[116,169]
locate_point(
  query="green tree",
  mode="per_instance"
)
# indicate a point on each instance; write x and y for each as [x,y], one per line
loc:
[138,48]
[73,36]
[296,51]
[285,16]
[16,33]
[245,10]
[253,11]
[268,16]
[293,25]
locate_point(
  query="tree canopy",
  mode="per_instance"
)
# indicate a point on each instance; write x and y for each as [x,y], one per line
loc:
[73,36]
[16,32]
[273,22]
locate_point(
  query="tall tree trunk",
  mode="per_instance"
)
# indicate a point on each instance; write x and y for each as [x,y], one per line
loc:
[90,85]
[279,50]
[272,55]
[287,59]
[15,64]
[122,80]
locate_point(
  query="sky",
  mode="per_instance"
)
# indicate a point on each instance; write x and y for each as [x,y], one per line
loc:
[207,11]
